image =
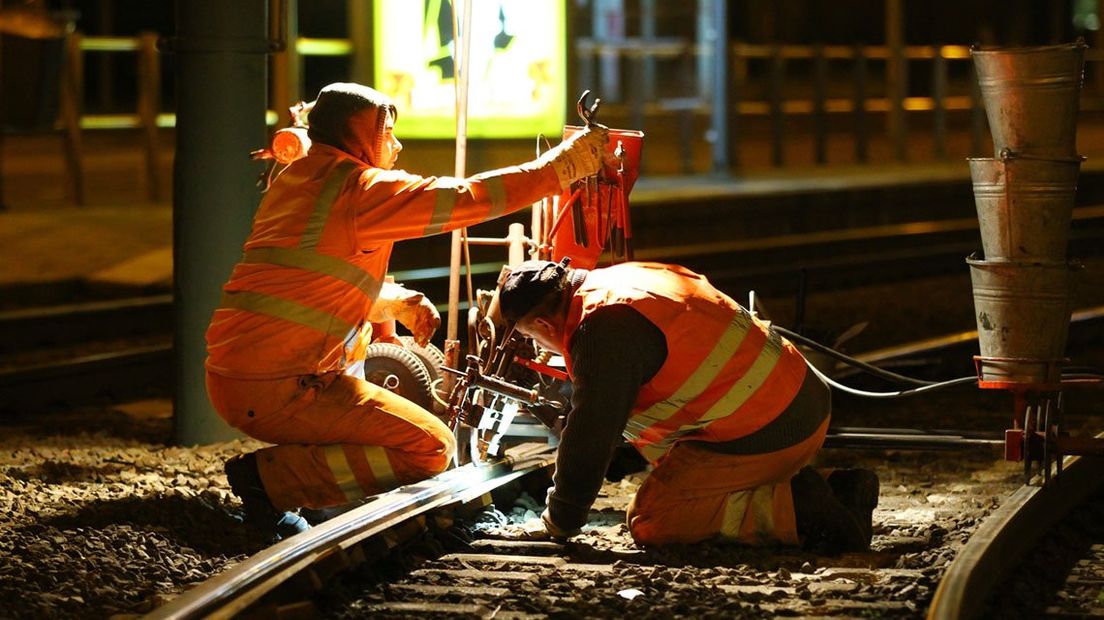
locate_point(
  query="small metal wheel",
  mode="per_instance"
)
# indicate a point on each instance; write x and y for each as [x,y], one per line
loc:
[431,356]
[392,367]
[433,359]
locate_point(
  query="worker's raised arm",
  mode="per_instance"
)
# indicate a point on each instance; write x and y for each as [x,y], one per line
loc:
[391,205]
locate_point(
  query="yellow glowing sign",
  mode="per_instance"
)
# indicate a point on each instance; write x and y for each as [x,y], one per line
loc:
[517,78]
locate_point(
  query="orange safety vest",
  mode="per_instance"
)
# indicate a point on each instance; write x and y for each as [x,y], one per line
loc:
[726,374]
[298,301]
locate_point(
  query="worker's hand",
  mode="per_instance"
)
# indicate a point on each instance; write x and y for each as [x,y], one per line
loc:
[581,155]
[410,308]
[420,316]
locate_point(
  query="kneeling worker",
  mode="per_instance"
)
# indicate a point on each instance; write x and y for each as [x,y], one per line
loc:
[721,405]
[285,343]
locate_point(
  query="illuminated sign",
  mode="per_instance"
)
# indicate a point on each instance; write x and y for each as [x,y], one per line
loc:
[517,78]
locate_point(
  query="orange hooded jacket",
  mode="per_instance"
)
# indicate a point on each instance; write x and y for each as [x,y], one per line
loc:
[298,301]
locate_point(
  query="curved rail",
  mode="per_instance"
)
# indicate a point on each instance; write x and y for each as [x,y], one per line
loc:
[1006,535]
[235,590]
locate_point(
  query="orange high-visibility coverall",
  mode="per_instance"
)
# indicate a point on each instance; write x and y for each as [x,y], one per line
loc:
[293,319]
[718,419]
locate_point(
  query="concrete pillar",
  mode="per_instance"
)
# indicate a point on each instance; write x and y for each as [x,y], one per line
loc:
[221,54]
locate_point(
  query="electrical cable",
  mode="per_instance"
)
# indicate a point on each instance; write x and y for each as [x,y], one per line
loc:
[850,361]
[931,387]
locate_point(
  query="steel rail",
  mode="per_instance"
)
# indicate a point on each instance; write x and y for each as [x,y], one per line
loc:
[910,439]
[95,320]
[233,591]
[994,549]
[116,373]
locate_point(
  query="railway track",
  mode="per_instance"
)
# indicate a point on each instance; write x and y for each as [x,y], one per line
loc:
[601,573]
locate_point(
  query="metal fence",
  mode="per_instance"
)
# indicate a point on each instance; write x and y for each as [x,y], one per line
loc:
[853,89]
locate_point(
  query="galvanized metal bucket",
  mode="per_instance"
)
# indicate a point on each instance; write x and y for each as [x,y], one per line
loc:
[1023,313]
[1031,97]
[1024,207]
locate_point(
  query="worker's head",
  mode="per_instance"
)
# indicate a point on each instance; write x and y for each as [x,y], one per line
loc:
[534,298]
[358,120]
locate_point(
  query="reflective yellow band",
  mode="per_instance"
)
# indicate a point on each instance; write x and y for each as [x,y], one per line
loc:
[748,384]
[342,472]
[653,451]
[442,209]
[762,512]
[496,189]
[324,204]
[702,377]
[287,310]
[381,466]
[309,260]
[756,505]
[734,510]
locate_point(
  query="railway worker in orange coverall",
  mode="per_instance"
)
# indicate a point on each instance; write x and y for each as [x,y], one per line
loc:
[295,316]
[723,408]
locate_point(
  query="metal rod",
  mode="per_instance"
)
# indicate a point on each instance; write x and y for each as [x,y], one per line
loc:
[895,75]
[939,109]
[461,39]
[859,105]
[820,117]
[778,120]
[719,77]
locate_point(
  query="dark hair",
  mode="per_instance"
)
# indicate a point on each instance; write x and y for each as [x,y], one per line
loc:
[533,288]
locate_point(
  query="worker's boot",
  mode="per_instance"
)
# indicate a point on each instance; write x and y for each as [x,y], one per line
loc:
[857,489]
[824,524]
[245,482]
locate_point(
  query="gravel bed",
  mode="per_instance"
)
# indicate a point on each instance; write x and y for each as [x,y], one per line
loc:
[110,520]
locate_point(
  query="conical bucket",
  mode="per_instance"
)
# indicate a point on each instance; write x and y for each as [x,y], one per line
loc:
[1024,207]
[1031,97]
[1023,314]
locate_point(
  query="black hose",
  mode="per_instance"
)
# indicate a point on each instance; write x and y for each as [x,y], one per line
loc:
[850,361]
[930,387]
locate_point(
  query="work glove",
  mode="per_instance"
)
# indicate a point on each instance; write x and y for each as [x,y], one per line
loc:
[410,308]
[578,156]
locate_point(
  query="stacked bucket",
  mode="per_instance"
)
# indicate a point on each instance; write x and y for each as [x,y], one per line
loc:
[1025,198]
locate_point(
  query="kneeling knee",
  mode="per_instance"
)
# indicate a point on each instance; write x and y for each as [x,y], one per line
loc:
[437,459]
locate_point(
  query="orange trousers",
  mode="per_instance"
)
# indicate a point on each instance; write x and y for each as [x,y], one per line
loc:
[340,438]
[694,494]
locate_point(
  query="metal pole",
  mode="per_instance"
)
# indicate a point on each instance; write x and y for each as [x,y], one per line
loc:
[895,76]
[287,68]
[461,53]
[859,106]
[221,77]
[939,108]
[820,95]
[720,91]
[648,33]
[777,106]
[360,34]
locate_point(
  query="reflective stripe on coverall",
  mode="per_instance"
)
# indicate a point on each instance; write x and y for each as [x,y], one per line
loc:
[295,310]
[726,376]
[341,437]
